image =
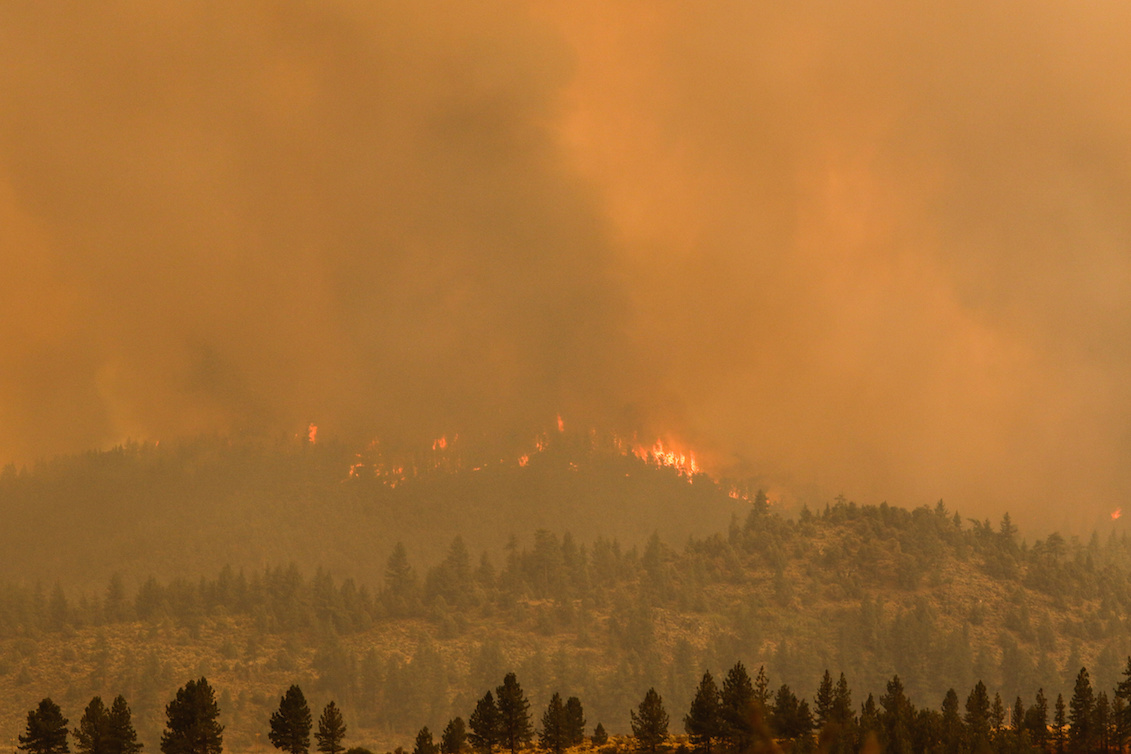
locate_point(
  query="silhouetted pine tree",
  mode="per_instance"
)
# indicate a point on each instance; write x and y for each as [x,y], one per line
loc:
[515,730]
[331,730]
[823,709]
[484,724]
[553,735]
[291,723]
[192,721]
[703,721]
[46,730]
[978,717]
[574,722]
[1101,720]
[898,718]
[739,708]
[121,738]
[1060,723]
[952,732]
[454,737]
[600,737]
[424,743]
[1037,721]
[1081,711]
[791,717]
[650,722]
[1123,693]
[91,735]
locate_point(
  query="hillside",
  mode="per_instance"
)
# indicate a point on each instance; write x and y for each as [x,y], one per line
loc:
[184,510]
[868,590]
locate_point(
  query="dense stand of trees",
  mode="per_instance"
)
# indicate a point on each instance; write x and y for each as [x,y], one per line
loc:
[742,715]
[756,581]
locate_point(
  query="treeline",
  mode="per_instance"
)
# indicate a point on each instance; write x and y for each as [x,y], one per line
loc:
[743,714]
[748,715]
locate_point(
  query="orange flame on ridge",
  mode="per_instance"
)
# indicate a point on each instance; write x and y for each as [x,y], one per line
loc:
[312,433]
[683,462]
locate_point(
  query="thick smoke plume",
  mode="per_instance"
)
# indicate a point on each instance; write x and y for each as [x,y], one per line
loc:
[861,247]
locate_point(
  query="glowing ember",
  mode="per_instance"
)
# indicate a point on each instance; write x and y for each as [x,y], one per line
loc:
[440,444]
[355,469]
[561,424]
[312,433]
[523,459]
[1115,514]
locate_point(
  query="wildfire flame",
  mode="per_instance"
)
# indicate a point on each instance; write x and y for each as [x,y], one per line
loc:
[312,433]
[664,453]
[666,456]
[1115,514]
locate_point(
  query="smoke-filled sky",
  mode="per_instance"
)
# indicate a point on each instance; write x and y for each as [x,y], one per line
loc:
[870,247]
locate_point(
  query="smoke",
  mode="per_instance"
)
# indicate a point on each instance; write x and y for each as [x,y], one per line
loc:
[852,247]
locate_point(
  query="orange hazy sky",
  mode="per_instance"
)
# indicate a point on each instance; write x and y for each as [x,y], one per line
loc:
[861,247]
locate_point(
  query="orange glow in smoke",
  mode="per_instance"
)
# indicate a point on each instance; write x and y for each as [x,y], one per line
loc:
[523,459]
[312,433]
[561,424]
[440,444]
[1115,514]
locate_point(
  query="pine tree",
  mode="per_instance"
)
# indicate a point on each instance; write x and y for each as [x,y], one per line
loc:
[192,721]
[978,716]
[1017,715]
[600,737]
[1081,708]
[650,722]
[824,699]
[739,708]
[838,735]
[1060,720]
[515,730]
[953,731]
[1123,692]
[1037,720]
[331,730]
[91,735]
[870,725]
[1101,723]
[484,724]
[454,736]
[291,723]
[703,721]
[898,717]
[997,716]
[791,717]
[762,688]
[120,734]
[424,743]
[575,722]
[46,731]
[553,736]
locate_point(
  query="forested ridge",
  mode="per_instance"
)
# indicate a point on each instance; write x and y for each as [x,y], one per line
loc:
[871,591]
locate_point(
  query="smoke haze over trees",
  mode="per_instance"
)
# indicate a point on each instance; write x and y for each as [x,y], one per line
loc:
[859,247]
